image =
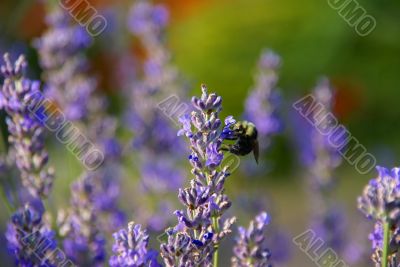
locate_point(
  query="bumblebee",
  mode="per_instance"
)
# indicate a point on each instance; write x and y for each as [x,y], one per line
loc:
[245,134]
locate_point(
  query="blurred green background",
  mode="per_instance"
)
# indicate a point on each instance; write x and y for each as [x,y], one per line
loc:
[218,43]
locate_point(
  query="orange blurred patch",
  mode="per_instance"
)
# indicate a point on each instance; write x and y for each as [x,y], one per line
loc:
[180,9]
[348,97]
[32,23]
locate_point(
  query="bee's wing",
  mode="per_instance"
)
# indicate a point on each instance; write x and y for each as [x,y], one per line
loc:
[256,150]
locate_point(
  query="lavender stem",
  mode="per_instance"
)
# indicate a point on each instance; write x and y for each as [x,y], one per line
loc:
[216,229]
[386,238]
[4,199]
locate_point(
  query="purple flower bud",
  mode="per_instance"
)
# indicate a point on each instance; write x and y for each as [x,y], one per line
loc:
[30,241]
[214,157]
[263,100]
[379,195]
[193,242]
[250,244]
[197,242]
[26,131]
[131,248]
[145,18]
[60,51]
[186,124]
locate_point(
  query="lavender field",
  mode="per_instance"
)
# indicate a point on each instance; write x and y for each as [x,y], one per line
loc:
[199,133]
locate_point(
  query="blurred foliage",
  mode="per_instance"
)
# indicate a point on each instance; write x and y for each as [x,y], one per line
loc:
[220,44]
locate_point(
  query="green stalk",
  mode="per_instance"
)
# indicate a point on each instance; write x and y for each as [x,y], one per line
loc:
[5,201]
[386,235]
[216,230]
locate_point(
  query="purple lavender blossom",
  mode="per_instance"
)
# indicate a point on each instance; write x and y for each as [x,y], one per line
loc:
[380,196]
[376,237]
[250,248]
[131,248]
[64,65]
[146,18]
[159,80]
[314,148]
[214,157]
[30,240]
[26,131]
[324,157]
[196,238]
[186,125]
[330,224]
[379,202]
[94,210]
[263,100]
[278,238]
[321,159]
[102,130]
[328,219]
[182,250]
[84,243]
[152,126]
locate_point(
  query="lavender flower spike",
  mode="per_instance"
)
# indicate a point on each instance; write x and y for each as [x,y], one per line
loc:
[30,240]
[61,56]
[380,202]
[156,79]
[130,248]
[263,100]
[250,248]
[84,243]
[26,131]
[195,240]
[381,196]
